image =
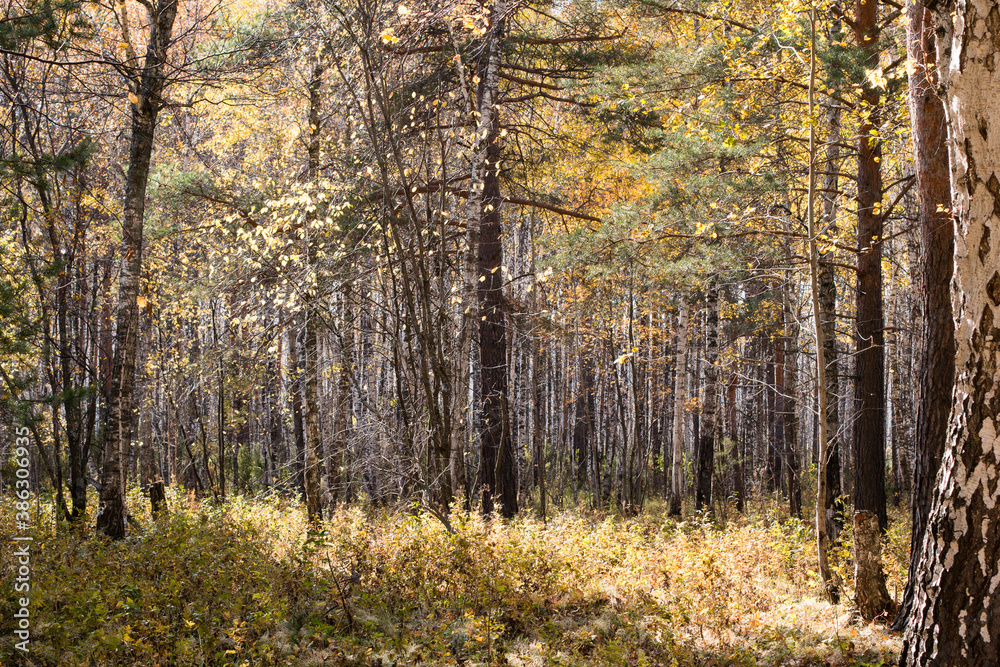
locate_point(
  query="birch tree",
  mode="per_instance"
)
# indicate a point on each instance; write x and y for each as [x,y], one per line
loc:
[953,620]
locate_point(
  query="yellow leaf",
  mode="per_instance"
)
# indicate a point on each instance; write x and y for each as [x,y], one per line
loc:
[133,98]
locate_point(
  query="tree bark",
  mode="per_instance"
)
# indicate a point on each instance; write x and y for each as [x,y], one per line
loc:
[706,445]
[822,538]
[298,426]
[310,345]
[870,593]
[680,398]
[869,424]
[937,233]
[789,390]
[953,620]
[834,506]
[118,418]
[498,478]
[342,423]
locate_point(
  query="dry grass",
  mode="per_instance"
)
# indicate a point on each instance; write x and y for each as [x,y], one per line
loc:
[379,588]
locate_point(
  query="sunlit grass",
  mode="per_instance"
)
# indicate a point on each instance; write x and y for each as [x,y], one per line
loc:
[244,583]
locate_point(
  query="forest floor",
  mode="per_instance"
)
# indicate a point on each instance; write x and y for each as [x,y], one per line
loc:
[241,584]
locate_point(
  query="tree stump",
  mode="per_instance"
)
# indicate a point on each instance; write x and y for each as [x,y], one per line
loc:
[157,497]
[870,593]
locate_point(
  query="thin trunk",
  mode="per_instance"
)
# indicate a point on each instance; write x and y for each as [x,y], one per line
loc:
[822,540]
[789,389]
[342,423]
[680,398]
[706,445]
[828,307]
[735,449]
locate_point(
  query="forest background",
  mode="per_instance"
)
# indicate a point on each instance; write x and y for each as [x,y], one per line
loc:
[677,264]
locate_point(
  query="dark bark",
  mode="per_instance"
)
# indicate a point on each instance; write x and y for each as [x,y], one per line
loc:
[582,425]
[157,498]
[118,419]
[497,472]
[828,308]
[342,422]
[937,234]
[680,398]
[735,450]
[789,390]
[298,425]
[869,423]
[709,408]
[312,474]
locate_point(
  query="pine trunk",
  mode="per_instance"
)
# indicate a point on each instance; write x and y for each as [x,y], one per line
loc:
[937,233]
[869,423]
[498,478]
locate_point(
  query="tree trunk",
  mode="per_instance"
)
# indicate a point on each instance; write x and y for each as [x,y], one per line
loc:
[342,423]
[706,446]
[298,426]
[789,390]
[157,498]
[953,620]
[834,507]
[735,449]
[870,593]
[822,538]
[313,472]
[313,475]
[680,398]
[937,356]
[869,423]
[497,471]
[118,418]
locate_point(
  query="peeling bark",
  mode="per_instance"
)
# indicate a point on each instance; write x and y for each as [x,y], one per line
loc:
[954,620]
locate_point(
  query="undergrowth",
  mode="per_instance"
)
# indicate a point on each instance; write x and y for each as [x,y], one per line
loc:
[243,583]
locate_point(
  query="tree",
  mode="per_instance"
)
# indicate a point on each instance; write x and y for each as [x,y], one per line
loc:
[869,428]
[680,398]
[706,444]
[822,537]
[953,620]
[497,470]
[937,233]
[146,98]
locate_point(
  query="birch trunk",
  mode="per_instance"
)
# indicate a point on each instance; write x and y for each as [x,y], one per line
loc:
[121,386]
[954,620]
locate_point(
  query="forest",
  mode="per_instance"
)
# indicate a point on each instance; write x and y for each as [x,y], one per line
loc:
[499,332]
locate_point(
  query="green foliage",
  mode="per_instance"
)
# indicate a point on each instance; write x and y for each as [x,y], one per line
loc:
[51,22]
